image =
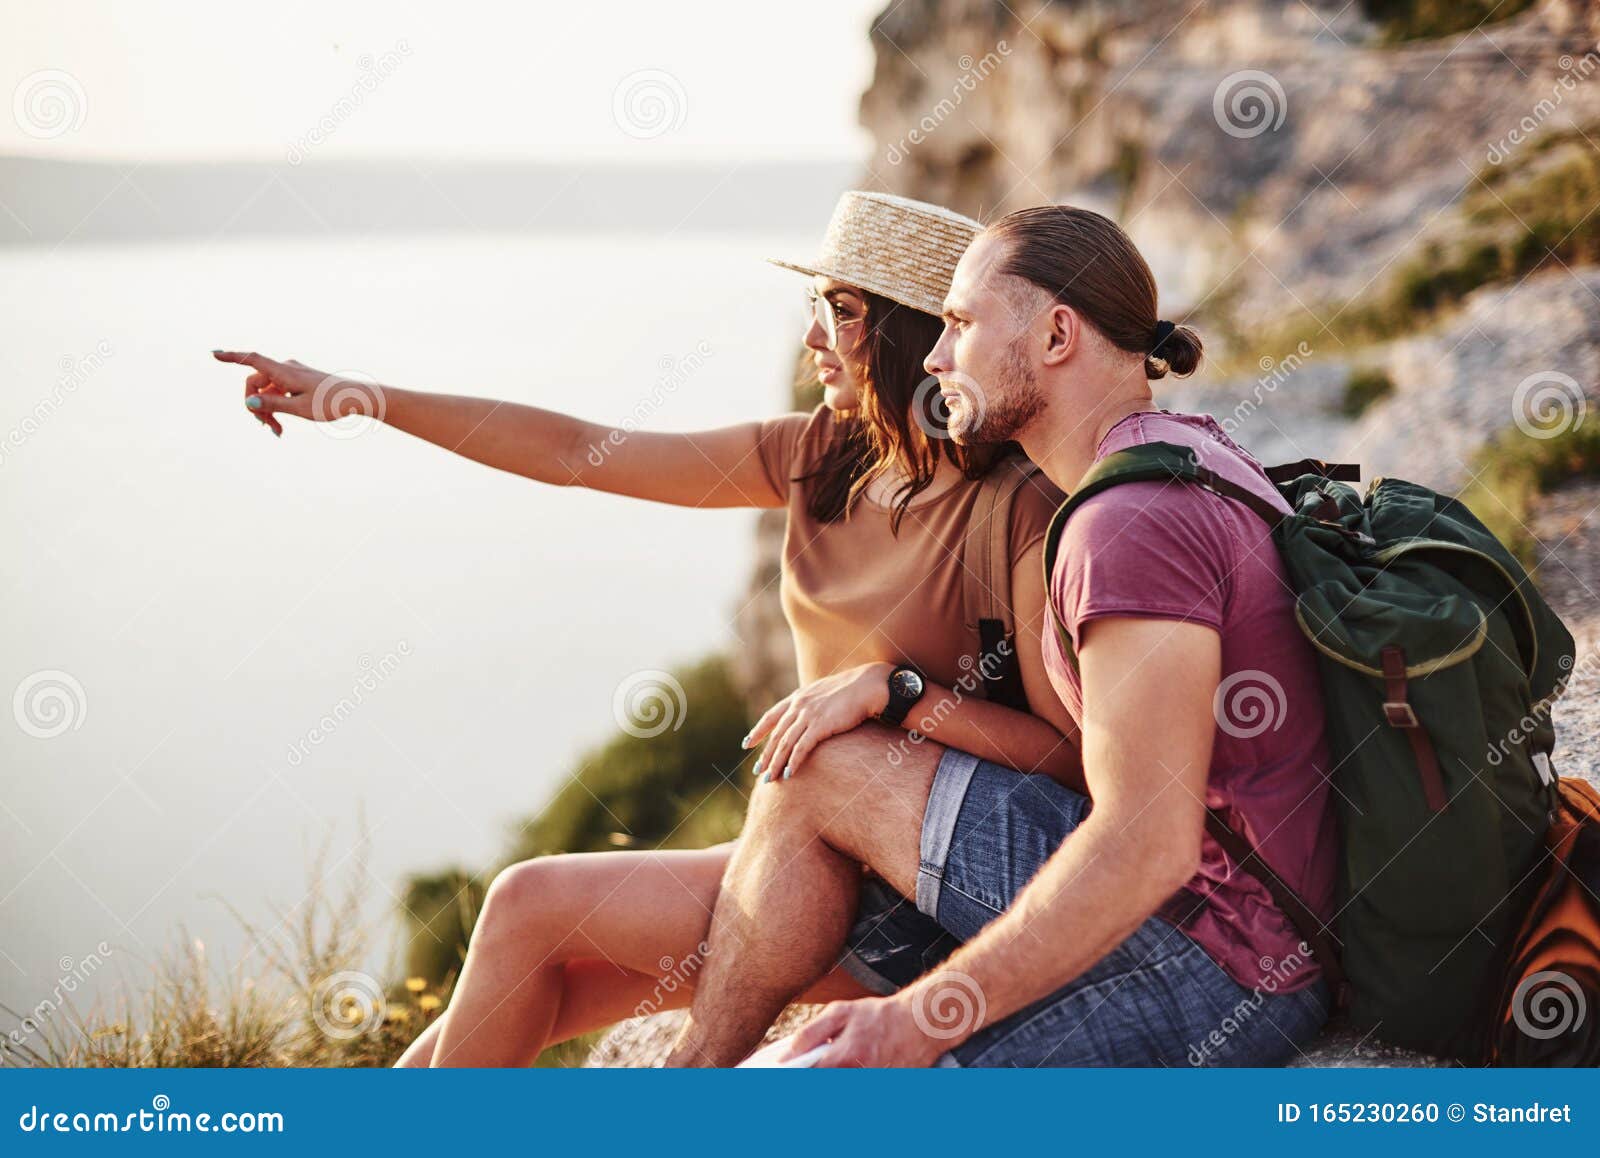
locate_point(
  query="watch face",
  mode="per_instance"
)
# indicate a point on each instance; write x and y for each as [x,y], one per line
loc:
[907,684]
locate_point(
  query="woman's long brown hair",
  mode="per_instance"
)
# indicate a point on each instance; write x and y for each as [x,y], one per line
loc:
[899,405]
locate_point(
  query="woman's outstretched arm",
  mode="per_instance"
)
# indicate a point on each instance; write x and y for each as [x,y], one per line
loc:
[712,468]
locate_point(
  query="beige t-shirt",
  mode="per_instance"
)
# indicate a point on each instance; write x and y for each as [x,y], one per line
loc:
[854,593]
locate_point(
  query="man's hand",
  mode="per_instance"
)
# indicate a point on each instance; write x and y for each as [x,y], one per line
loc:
[881,1032]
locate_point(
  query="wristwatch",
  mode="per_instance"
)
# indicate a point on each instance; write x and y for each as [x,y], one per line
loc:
[905,689]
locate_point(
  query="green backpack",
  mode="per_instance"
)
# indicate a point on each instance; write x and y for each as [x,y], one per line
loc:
[1439,662]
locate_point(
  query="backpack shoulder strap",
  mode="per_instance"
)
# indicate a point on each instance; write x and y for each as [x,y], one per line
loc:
[986,581]
[1336,471]
[1147,462]
[1154,462]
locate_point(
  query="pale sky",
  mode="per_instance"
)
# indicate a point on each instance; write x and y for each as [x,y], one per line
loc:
[629,80]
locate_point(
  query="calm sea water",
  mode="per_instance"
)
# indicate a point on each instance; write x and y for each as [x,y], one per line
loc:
[188,602]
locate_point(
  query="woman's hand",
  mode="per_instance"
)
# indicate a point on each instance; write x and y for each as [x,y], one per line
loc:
[802,720]
[294,388]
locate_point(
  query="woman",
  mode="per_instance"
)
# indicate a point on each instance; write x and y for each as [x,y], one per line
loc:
[879,500]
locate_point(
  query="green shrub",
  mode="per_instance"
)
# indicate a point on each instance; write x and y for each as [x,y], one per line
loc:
[684,788]
[1364,387]
[1126,169]
[1514,470]
[438,912]
[1401,20]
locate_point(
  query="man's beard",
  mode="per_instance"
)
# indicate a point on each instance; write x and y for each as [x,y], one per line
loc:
[1006,410]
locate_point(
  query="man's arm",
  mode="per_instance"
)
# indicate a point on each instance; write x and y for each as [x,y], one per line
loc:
[1147,735]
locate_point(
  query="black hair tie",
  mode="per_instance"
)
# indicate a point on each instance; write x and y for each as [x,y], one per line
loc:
[1163,331]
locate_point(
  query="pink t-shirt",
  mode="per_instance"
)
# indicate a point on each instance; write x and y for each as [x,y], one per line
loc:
[1174,551]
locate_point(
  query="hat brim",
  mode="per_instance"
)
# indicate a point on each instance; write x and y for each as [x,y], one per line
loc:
[894,294]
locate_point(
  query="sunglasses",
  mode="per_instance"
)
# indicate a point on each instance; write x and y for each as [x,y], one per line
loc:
[826,315]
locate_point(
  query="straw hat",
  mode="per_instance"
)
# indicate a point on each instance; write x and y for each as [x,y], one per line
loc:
[902,249]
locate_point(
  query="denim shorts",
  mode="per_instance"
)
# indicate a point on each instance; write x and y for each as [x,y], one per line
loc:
[1156,999]
[892,943]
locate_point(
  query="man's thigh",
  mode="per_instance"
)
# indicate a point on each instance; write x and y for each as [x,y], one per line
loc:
[982,833]
[987,832]
[892,943]
[1157,999]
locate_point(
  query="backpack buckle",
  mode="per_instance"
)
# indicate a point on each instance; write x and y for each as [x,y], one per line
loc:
[1399,715]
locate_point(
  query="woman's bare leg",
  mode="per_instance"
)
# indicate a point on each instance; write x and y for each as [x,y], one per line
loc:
[570,944]
[633,909]
[596,994]
[420,1052]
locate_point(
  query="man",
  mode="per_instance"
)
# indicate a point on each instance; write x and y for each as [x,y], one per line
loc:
[1134,941]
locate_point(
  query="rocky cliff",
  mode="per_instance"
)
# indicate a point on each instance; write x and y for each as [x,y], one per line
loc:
[1286,151]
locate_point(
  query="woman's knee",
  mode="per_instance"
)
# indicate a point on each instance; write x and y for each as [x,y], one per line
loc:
[523,898]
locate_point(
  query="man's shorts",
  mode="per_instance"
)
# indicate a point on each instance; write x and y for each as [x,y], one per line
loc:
[1156,999]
